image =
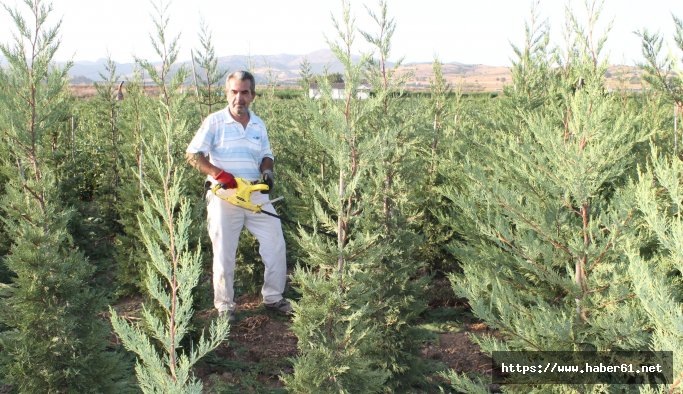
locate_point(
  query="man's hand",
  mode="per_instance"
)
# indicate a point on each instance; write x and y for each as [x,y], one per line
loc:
[267,178]
[226,179]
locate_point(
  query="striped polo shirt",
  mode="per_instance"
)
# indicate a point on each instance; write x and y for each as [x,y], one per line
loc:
[230,146]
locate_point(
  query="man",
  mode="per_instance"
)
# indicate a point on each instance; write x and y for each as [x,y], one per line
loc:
[236,143]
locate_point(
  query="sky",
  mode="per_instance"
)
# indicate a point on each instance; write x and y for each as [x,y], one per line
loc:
[470,32]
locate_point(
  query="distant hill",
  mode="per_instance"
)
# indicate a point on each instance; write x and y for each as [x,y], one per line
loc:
[81,80]
[284,70]
[483,78]
[88,70]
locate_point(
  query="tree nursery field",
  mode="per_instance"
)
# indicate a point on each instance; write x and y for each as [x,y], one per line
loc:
[424,231]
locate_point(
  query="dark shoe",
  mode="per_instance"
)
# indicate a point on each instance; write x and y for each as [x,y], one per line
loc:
[283,306]
[229,314]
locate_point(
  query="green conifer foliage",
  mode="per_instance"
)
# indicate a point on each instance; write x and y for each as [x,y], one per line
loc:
[328,324]
[656,268]
[208,76]
[109,97]
[657,274]
[5,241]
[532,73]
[167,228]
[305,75]
[541,215]
[90,171]
[140,123]
[55,341]
[354,320]
[665,75]
[391,190]
[135,125]
[172,273]
[299,161]
[438,138]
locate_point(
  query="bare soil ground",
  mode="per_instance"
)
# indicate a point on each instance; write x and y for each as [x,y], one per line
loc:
[456,350]
[260,346]
[256,353]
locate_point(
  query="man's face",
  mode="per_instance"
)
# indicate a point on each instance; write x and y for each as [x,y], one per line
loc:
[239,97]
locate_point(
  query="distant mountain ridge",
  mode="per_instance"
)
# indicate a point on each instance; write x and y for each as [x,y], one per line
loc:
[284,69]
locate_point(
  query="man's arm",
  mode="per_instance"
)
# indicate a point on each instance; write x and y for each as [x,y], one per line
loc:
[200,162]
[266,164]
[267,174]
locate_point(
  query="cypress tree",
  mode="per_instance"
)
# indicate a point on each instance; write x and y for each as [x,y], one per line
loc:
[542,214]
[5,241]
[436,140]
[135,123]
[168,230]
[209,84]
[656,270]
[171,274]
[109,97]
[330,328]
[664,76]
[89,171]
[55,343]
[140,124]
[359,299]
[656,260]
[390,189]
[305,75]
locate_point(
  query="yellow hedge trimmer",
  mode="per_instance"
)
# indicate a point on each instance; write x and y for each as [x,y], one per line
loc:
[242,198]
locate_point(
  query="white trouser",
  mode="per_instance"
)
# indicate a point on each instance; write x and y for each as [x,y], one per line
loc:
[225,225]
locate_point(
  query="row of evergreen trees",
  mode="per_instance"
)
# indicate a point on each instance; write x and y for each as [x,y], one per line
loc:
[568,211]
[555,208]
[360,298]
[95,195]
[52,339]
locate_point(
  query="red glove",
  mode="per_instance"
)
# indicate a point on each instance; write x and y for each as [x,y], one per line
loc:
[226,179]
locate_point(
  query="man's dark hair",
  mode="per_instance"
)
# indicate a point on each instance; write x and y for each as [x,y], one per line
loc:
[242,76]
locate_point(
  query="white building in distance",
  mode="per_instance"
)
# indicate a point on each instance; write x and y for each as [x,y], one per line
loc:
[362,93]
